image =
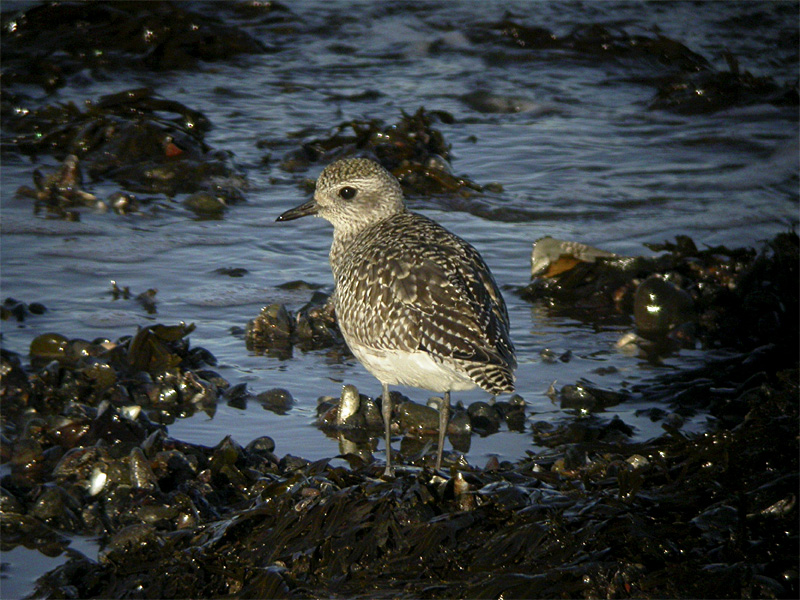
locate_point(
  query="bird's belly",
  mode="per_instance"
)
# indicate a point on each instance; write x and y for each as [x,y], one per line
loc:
[415,369]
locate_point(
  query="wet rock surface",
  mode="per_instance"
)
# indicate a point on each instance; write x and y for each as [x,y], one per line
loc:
[685,294]
[276,330]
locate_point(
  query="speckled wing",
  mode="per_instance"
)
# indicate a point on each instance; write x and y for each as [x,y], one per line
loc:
[434,293]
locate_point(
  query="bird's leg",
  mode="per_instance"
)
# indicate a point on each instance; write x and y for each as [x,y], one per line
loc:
[386,410]
[444,419]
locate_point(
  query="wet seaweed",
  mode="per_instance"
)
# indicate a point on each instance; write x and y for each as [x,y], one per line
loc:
[710,289]
[140,141]
[412,150]
[591,513]
[685,81]
[45,44]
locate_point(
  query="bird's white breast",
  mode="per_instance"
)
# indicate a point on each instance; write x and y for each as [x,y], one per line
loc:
[414,369]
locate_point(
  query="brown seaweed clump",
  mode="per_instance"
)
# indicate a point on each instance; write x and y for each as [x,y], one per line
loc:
[275,330]
[47,43]
[415,152]
[144,143]
[411,149]
[736,298]
[685,81]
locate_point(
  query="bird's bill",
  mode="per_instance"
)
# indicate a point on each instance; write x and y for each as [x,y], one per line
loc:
[309,208]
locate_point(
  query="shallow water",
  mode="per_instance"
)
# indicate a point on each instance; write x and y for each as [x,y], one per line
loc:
[583,159]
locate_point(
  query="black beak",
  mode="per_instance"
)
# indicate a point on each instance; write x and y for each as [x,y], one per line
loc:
[309,208]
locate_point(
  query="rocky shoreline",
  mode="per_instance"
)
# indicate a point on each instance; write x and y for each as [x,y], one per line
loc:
[86,439]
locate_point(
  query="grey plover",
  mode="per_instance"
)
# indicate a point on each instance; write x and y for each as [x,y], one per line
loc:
[416,304]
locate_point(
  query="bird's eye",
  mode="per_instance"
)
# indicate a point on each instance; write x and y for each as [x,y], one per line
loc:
[347,192]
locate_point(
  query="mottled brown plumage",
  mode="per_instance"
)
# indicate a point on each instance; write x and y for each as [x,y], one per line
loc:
[416,304]
[407,284]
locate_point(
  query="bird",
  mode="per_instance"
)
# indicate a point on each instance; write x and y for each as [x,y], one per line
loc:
[416,304]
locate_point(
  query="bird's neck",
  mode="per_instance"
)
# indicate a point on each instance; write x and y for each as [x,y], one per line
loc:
[347,240]
[338,247]
[343,241]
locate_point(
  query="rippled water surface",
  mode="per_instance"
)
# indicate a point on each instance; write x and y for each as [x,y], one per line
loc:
[580,156]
